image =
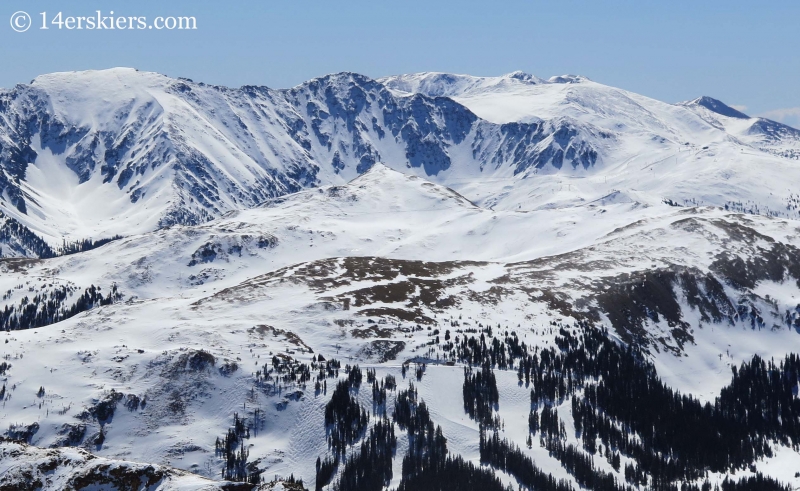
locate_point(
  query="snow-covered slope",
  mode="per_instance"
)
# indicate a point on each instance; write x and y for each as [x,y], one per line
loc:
[652,149]
[101,153]
[27,467]
[767,135]
[426,227]
[121,151]
[364,273]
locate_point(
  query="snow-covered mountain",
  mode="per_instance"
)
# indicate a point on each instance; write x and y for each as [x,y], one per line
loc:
[100,153]
[684,153]
[122,151]
[765,134]
[445,234]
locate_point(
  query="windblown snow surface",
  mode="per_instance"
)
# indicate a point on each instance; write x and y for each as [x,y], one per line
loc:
[358,220]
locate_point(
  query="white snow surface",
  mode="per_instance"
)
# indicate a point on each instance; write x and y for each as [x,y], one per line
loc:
[173,308]
[239,284]
[185,147]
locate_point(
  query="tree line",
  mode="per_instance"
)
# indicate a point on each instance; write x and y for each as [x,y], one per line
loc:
[48,308]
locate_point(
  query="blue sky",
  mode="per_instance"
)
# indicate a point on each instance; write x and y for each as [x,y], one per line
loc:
[742,52]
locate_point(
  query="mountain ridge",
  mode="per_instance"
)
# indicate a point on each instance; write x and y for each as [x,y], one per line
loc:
[88,128]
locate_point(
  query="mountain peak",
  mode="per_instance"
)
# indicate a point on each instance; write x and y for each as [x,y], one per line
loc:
[567,79]
[337,78]
[523,77]
[95,76]
[455,85]
[379,170]
[718,107]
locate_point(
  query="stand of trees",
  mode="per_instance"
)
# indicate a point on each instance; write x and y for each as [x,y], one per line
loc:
[380,390]
[231,448]
[678,437]
[621,407]
[83,245]
[345,419]
[481,396]
[20,237]
[426,466]
[506,456]
[11,231]
[325,471]
[285,373]
[48,308]
[371,468]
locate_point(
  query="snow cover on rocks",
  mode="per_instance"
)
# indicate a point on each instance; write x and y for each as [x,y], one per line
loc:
[290,246]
